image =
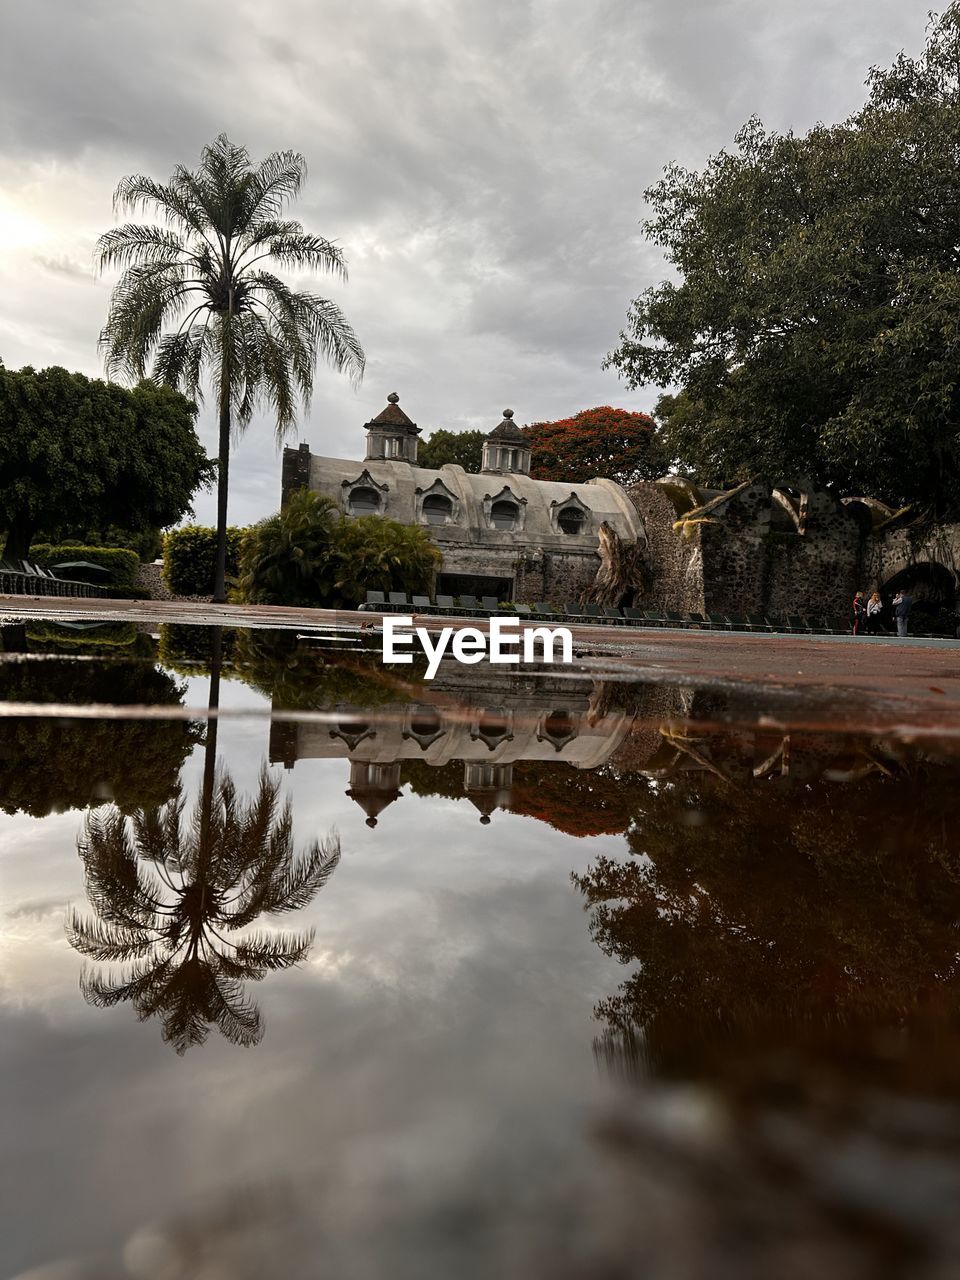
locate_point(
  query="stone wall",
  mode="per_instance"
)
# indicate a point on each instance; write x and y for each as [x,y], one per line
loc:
[676,561]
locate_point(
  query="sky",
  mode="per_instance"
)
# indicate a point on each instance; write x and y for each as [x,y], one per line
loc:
[482,166]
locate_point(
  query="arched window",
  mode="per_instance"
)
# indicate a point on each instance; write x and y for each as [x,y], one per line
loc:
[363,502]
[503,514]
[571,520]
[437,509]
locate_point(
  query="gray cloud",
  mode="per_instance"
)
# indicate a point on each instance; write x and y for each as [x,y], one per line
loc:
[483,166]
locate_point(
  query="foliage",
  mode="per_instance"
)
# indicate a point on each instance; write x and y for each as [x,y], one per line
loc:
[104,638]
[464,448]
[825,898]
[310,555]
[579,802]
[51,764]
[122,564]
[201,278]
[147,543]
[288,558]
[614,444]
[376,554]
[189,558]
[812,331]
[189,650]
[76,451]
[175,900]
[295,676]
[427,780]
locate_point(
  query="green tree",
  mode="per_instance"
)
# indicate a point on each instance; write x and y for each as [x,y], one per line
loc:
[79,452]
[308,554]
[195,300]
[614,444]
[811,331]
[465,448]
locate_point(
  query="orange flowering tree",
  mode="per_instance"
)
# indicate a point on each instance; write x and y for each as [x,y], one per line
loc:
[613,443]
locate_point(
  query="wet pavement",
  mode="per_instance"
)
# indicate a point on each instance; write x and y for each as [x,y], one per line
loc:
[308,968]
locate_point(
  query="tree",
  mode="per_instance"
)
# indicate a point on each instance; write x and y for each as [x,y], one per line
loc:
[308,554]
[812,330]
[77,451]
[227,318]
[465,448]
[614,444]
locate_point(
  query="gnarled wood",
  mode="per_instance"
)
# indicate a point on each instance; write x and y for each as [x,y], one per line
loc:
[624,568]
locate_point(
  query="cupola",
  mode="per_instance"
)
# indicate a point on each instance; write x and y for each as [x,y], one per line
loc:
[391,436]
[506,450]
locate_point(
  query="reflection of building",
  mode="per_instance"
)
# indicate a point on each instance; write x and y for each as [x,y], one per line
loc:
[524,720]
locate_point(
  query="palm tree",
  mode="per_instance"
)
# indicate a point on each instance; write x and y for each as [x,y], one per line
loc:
[165,894]
[194,300]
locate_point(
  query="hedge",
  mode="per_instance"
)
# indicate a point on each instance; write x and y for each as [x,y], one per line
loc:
[190,555]
[123,565]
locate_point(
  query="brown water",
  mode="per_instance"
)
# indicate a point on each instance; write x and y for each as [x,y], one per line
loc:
[503,976]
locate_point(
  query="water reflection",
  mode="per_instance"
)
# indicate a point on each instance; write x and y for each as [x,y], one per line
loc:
[49,764]
[174,901]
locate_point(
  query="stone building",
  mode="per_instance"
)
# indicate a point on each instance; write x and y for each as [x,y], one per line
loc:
[757,548]
[500,533]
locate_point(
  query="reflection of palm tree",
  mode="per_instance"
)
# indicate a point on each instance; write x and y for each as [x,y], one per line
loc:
[167,894]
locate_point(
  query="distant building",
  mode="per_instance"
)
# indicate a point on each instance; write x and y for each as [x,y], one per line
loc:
[500,532]
[756,548]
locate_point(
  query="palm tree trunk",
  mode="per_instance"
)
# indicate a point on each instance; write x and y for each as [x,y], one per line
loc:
[223,480]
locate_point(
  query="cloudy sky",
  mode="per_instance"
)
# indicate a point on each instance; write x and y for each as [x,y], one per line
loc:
[482,165]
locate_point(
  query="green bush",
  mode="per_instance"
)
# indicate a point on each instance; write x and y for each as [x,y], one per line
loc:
[287,558]
[189,558]
[122,564]
[375,554]
[310,555]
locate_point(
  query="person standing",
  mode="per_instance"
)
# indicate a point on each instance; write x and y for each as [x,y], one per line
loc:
[874,610]
[859,613]
[902,604]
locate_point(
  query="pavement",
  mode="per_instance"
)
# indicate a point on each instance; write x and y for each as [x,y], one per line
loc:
[913,682]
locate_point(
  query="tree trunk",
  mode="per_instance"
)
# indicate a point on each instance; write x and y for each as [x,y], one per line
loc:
[210,744]
[19,537]
[223,480]
[623,569]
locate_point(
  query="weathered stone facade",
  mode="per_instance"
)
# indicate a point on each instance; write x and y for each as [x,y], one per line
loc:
[757,548]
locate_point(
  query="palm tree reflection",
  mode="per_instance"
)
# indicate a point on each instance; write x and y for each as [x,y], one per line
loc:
[174,899]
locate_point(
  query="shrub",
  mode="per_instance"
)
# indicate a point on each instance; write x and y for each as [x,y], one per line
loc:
[287,558]
[122,564]
[309,554]
[189,558]
[376,554]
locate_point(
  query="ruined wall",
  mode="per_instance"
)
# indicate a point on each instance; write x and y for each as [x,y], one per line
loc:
[816,572]
[901,548]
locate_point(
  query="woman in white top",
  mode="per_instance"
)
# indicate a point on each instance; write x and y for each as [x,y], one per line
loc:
[874,610]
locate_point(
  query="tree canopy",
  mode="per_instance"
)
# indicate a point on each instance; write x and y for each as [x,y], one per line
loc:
[811,327]
[465,448]
[76,451]
[611,443]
